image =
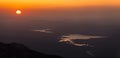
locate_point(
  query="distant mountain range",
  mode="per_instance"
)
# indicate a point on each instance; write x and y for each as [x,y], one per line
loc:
[15,50]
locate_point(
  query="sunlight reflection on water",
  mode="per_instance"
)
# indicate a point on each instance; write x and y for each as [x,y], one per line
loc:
[43,31]
[70,39]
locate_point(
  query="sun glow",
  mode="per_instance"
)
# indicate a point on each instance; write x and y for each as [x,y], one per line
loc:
[18,12]
[54,3]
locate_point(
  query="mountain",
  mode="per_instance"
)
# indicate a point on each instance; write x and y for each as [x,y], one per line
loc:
[15,50]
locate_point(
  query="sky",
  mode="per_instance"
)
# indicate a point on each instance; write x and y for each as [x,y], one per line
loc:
[55,3]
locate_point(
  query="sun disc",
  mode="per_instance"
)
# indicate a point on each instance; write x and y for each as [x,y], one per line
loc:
[18,11]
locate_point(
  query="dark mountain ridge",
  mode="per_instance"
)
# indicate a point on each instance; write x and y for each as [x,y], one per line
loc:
[15,50]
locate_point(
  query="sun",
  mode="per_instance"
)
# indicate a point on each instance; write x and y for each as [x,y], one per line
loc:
[18,12]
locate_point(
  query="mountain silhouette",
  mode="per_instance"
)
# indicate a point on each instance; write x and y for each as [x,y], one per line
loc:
[15,50]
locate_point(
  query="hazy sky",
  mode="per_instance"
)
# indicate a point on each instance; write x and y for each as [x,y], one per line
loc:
[55,3]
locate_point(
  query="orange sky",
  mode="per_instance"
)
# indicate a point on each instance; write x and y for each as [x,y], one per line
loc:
[55,3]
